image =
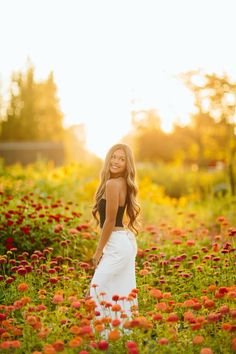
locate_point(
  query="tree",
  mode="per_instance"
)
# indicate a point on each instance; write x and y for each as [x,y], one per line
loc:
[33,112]
[150,142]
[48,116]
[215,99]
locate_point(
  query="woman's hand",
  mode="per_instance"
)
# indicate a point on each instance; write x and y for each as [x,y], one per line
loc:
[96,257]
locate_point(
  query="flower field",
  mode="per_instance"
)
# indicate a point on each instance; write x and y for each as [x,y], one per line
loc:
[186,278]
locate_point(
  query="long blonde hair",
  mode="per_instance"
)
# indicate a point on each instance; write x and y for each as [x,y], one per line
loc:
[132,208]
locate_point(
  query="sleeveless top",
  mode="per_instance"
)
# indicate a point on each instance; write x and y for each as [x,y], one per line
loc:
[102,213]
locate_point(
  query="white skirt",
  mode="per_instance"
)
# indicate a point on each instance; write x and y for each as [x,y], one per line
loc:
[115,275]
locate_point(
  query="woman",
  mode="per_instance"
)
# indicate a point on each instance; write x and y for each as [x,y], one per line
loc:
[114,259]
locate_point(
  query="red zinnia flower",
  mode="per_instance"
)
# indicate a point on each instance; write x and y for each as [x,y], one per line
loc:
[103,345]
[163,341]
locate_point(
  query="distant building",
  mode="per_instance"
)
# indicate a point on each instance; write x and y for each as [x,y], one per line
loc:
[26,152]
[216,165]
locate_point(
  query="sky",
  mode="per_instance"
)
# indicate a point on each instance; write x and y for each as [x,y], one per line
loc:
[110,57]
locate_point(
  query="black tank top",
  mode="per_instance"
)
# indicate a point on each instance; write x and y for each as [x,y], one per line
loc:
[102,213]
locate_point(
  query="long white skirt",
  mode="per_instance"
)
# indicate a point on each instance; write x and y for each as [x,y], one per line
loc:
[115,275]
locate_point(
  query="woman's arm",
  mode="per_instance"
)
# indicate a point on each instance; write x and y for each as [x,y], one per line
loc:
[112,204]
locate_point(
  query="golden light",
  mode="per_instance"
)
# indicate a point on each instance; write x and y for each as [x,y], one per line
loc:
[106,55]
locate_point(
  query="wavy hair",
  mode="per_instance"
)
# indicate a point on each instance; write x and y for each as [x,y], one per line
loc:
[132,206]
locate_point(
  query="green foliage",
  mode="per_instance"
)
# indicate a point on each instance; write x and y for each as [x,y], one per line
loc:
[33,112]
[209,138]
[185,264]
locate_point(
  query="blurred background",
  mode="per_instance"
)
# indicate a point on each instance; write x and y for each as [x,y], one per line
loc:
[77,77]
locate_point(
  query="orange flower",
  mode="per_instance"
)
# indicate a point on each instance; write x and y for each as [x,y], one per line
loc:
[143,322]
[5,335]
[5,345]
[234,343]
[75,329]
[48,349]
[90,304]
[176,242]
[25,300]
[44,332]
[127,324]
[221,219]
[22,287]
[114,334]
[156,293]
[72,298]
[106,319]
[58,345]
[116,322]
[215,247]
[209,304]
[189,303]
[31,320]
[143,272]
[200,319]
[99,327]
[17,331]
[226,326]
[212,287]
[232,294]
[123,315]
[85,322]
[116,308]
[161,306]
[190,242]
[42,292]
[76,342]
[206,351]
[198,340]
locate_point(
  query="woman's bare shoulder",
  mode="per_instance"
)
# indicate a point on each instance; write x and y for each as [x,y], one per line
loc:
[115,184]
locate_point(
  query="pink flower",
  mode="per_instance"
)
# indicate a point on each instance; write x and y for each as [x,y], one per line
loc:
[58,228]
[73,231]
[163,341]
[58,299]
[206,351]
[75,304]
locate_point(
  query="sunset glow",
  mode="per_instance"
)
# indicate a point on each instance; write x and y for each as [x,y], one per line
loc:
[112,57]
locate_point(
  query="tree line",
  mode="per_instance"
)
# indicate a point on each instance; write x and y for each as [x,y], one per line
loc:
[33,111]
[210,137]
[33,114]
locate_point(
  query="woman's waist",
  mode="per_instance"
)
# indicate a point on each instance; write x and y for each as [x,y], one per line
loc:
[118,228]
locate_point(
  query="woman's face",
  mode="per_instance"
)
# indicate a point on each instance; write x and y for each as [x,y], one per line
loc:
[117,162]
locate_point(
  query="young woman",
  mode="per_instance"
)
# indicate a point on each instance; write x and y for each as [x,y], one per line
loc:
[114,280]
